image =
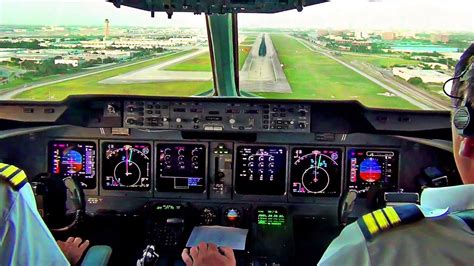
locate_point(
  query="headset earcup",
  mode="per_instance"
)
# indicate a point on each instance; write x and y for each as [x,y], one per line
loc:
[462,120]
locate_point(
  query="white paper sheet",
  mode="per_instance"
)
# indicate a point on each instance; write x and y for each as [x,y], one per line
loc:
[222,236]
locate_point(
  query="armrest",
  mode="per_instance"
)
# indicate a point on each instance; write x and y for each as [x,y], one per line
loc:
[97,255]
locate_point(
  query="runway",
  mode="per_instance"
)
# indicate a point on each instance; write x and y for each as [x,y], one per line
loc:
[263,73]
[156,73]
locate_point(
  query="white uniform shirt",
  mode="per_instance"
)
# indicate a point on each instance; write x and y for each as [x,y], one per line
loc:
[435,240]
[24,237]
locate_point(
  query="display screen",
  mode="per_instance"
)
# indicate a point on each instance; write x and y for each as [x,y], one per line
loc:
[181,168]
[126,166]
[74,159]
[372,167]
[260,170]
[271,216]
[316,171]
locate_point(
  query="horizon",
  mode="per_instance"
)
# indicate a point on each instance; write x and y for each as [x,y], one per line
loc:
[341,14]
[240,28]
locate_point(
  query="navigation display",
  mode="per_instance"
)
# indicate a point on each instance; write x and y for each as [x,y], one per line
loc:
[181,168]
[74,159]
[126,166]
[372,167]
[260,170]
[316,172]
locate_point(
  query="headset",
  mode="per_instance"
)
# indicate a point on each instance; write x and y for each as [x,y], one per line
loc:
[463,117]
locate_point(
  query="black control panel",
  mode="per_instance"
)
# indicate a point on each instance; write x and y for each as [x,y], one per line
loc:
[260,170]
[213,116]
[316,171]
[181,167]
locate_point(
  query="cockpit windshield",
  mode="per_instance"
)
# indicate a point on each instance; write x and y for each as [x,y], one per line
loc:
[385,54]
[51,49]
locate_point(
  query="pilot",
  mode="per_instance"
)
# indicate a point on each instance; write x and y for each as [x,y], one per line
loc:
[24,237]
[439,232]
[208,254]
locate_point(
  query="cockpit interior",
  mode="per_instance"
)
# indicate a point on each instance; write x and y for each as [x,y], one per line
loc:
[243,136]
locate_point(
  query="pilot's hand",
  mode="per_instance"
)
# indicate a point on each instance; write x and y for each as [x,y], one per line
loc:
[73,249]
[207,254]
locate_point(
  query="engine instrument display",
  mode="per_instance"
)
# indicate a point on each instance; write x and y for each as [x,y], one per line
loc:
[181,168]
[316,171]
[371,167]
[275,216]
[260,170]
[74,159]
[126,166]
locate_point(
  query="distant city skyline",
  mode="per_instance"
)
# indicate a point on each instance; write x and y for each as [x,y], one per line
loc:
[390,15]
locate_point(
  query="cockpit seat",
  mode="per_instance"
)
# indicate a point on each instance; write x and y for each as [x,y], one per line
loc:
[97,255]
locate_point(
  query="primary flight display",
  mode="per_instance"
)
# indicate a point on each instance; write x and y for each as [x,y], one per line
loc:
[369,168]
[75,159]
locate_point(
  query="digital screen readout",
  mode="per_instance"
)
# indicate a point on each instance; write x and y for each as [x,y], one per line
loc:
[271,216]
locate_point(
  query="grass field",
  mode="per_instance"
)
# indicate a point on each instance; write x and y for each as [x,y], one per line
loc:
[20,81]
[202,62]
[378,60]
[250,43]
[249,40]
[90,85]
[314,76]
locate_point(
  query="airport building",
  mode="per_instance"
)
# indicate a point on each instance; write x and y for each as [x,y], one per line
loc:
[68,61]
[428,76]
[389,36]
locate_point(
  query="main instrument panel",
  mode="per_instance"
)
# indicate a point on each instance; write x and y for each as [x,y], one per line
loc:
[253,170]
[278,168]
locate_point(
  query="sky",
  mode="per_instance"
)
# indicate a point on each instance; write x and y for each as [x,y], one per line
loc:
[442,15]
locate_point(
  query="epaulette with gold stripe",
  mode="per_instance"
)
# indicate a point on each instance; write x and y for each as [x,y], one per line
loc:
[13,175]
[387,218]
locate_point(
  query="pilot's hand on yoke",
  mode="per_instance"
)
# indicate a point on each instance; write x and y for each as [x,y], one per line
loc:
[208,254]
[73,249]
